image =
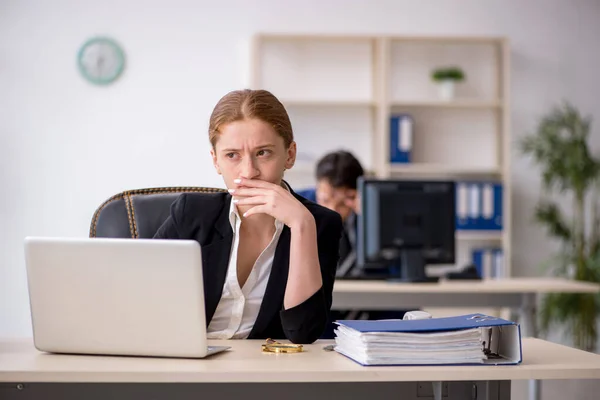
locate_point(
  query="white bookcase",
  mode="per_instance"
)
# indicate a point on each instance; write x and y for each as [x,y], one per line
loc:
[341,92]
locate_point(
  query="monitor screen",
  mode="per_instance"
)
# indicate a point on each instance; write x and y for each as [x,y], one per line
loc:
[399,216]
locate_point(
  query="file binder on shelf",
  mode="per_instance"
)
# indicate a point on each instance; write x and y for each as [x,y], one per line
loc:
[474,208]
[473,339]
[401,137]
[462,205]
[478,206]
[491,206]
[489,262]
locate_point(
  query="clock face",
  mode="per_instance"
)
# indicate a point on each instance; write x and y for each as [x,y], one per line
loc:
[101,60]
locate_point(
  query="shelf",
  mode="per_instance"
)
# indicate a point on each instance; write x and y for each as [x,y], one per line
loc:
[464,104]
[327,102]
[342,92]
[442,170]
[303,167]
[450,40]
[272,36]
[495,236]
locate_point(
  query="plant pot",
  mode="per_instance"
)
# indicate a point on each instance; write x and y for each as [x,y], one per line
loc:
[446,89]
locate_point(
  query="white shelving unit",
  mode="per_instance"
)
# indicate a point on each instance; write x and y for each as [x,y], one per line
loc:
[341,92]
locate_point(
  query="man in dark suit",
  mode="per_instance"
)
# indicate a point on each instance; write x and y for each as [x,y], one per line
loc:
[337,174]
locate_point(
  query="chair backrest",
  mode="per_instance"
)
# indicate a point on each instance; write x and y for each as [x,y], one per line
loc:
[138,213]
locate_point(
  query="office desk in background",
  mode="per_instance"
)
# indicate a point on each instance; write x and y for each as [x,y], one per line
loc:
[518,294]
[245,372]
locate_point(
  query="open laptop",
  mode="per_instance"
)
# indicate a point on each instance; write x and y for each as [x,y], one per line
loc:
[141,297]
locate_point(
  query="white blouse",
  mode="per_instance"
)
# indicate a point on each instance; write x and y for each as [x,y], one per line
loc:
[238,308]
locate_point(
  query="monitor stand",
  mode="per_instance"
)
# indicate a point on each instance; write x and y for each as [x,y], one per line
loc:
[409,266]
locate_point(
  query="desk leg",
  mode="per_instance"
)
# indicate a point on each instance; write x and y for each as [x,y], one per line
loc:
[528,319]
[528,315]
[535,389]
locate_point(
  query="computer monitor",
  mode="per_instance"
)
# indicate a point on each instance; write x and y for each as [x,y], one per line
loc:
[404,225]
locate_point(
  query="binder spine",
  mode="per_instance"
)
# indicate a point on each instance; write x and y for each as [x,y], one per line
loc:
[474,206]
[401,138]
[462,205]
[479,206]
[489,262]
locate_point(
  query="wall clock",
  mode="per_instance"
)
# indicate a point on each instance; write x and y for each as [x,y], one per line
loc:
[101,60]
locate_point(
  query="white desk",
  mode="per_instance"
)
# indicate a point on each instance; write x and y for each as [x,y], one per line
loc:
[245,372]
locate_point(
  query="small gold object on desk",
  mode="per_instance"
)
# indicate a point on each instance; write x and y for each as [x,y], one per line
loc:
[272,346]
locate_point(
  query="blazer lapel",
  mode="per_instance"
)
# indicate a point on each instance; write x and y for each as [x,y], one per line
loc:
[215,260]
[275,291]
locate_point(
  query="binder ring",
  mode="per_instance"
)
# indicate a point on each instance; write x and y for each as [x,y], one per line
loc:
[481,318]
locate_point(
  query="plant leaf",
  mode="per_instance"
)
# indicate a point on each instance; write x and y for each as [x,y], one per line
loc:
[550,215]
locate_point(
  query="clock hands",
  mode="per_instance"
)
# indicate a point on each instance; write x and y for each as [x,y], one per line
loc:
[99,65]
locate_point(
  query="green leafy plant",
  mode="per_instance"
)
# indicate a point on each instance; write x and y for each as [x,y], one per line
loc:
[448,73]
[570,175]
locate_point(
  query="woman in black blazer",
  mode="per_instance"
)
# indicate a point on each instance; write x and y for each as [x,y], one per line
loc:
[269,255]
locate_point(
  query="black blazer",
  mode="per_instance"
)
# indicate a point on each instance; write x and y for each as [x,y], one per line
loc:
[205,217]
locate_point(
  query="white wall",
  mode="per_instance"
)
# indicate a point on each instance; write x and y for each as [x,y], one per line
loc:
[66,146]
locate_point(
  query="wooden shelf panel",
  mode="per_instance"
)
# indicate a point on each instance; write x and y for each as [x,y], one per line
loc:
[446,40]
[450,40]
[463,104]
[398,170]
[327,103]
[308,37]
[483,235]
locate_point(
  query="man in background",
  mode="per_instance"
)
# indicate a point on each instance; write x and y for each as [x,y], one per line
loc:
[337,174]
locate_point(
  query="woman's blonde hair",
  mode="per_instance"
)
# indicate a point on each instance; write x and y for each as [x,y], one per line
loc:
[248,104]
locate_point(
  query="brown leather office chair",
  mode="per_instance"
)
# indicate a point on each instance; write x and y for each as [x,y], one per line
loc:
[138,214]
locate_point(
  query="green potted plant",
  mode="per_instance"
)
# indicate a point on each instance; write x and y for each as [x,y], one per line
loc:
[446,78]
[570,211]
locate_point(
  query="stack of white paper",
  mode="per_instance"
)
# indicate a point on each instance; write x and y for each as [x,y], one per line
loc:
[465,346]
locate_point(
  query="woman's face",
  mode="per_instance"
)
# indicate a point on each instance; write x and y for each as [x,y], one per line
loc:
[251,149]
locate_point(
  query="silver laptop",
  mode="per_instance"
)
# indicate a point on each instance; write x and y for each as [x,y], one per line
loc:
[141,297]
